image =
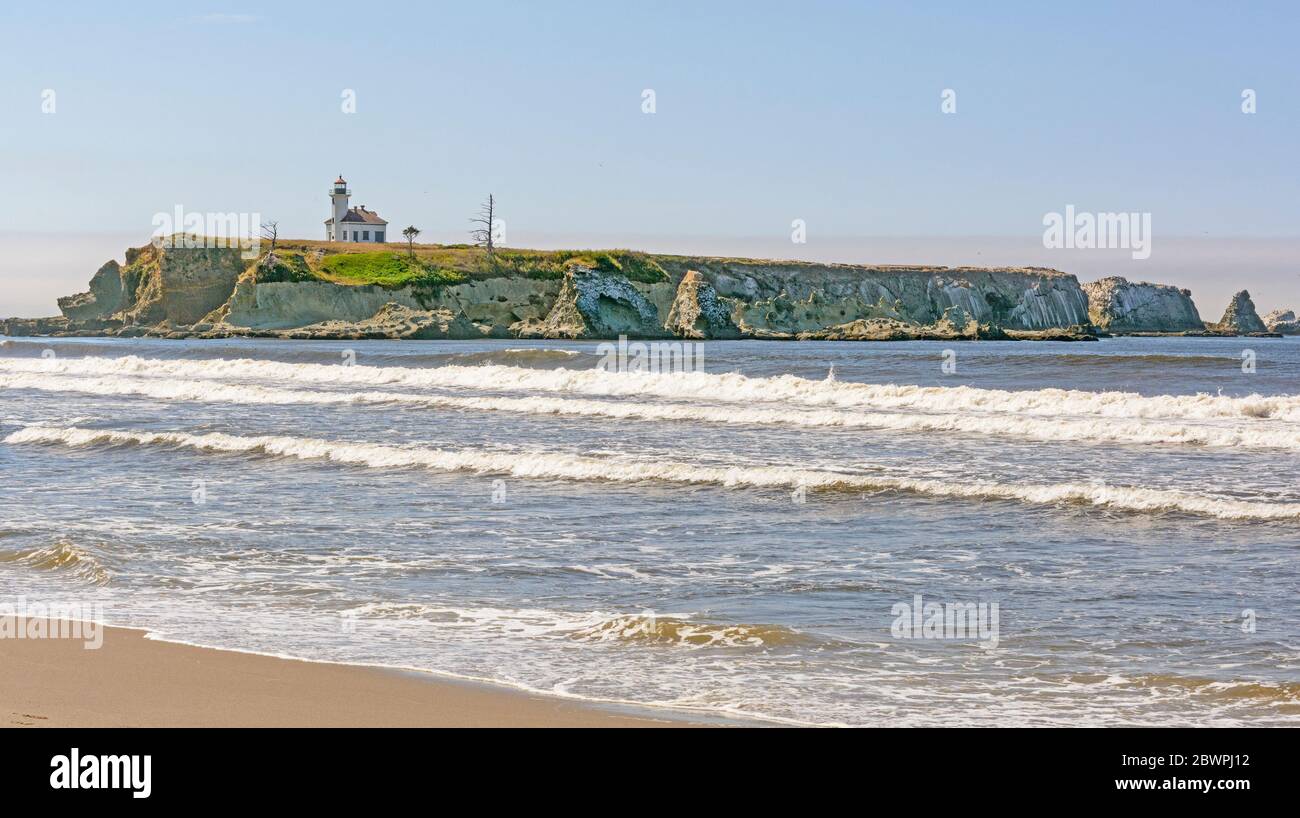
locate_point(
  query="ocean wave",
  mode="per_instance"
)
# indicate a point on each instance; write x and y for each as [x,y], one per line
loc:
[516,356]
[651,629]
[1170,685]
[697,386]
[64,556]
[525,357]
[565,466]
[645,628]
[327,353]
[1130,359]
[1229,434]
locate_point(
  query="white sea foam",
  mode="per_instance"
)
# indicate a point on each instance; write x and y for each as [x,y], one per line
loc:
[565,466]
[720,388]
[676,629]
[1243,432]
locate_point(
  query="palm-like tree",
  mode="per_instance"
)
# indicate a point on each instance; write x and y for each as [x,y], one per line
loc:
[410,233]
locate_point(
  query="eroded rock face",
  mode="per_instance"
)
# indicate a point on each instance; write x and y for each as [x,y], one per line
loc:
[955,325]
[106,295]
[1283,321]
[24,327]
[1240,317]
[498,307]
[179,286]
[1118,305]
[799,297]
[697,312]
[593,304]
[285,305]
[395,321]
[173,286]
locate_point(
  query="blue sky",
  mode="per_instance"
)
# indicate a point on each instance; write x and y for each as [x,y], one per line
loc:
[766,112]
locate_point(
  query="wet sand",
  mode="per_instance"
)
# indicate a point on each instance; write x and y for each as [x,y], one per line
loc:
[131,681]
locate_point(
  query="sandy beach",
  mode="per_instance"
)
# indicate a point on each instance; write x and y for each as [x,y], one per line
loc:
[131,681]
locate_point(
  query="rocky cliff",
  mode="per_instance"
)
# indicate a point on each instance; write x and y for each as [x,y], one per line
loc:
[1240,317]
[319,290]
[157,288]
[1119,306]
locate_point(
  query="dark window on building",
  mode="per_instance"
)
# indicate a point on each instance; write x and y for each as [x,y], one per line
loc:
[365,235]
[379,235]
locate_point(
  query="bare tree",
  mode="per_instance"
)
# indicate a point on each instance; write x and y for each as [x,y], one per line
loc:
[271,231]
[410,233]
[487,218]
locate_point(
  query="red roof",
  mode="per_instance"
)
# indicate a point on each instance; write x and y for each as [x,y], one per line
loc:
[360,215]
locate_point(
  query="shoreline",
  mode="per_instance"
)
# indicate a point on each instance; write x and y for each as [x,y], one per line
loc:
[886,335]
[134,681]
[917,333]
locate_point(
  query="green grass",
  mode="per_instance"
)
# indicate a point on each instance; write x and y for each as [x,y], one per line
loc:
[388,269]
[636,266]
[554,263]
[434,266]
[542,266]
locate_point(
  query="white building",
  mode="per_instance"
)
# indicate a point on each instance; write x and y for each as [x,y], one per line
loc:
[352,224]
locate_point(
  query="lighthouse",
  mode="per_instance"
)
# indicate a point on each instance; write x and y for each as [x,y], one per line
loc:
[339,199]
[352,223]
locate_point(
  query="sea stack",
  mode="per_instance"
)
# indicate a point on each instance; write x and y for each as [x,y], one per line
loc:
[1240,318]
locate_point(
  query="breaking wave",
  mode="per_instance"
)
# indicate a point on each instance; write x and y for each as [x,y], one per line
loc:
[646,628]
[565,466]
[64,556]
[527,356]
[1232,434]
[723,388]
[649,629]
[1168,685]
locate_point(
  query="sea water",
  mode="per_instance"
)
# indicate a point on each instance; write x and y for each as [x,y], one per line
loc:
[744,541]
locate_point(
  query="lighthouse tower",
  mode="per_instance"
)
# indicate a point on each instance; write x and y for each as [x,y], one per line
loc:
[352,224]
[339,199]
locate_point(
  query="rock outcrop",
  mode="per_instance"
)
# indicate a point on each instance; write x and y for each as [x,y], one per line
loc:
[24,327]
[796,297]
[1240,318]
[697,312]
[1119,306]
[173,286]
[106,295]
[891,329]
[1283,321]
[392,321]
[593,304]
